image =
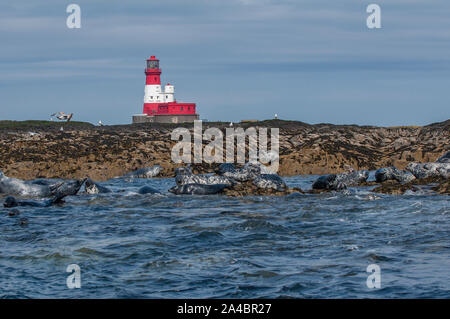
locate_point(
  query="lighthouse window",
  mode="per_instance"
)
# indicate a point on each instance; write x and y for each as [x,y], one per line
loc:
[182,108]
[167,96]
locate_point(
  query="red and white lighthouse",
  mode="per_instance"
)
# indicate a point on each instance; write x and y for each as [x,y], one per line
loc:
[159,105]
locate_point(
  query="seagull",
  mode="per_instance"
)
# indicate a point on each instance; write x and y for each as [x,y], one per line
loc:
[63,116]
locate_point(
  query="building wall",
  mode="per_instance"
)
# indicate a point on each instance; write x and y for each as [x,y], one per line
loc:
[142,118]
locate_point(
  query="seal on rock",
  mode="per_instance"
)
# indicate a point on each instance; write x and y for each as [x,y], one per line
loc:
[18,187]
[203,179]
[248,172]
[146,172]
[271,181]
[392,173]
[444,158]
[425,170]
[340,181]
[198,189]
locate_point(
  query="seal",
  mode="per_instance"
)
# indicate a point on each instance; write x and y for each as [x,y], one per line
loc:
[248,172]
[92,188]
[183,170]
[11,202]
[425,170]
[340,181]
[146,172]
[270,181]
[198,189]
[392,173]
[203,179]
[18,187]
[444,158]
[147,190]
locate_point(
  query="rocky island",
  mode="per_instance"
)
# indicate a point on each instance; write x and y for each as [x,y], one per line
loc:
[82,150]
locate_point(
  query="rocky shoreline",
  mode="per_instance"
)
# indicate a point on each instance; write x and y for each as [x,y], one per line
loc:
[105,152]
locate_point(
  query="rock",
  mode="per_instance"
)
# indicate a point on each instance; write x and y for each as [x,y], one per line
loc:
[443,187]
[248,188]
[392,173]
[444,158]
[270,181]
[393,187]
[425,170]
[105,152]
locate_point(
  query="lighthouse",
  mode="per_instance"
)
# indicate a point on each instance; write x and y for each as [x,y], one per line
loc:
[160,105]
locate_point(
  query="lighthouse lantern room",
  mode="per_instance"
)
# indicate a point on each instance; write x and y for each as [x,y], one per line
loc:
[161,106]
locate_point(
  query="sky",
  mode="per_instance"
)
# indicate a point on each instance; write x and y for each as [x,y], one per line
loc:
[306,60]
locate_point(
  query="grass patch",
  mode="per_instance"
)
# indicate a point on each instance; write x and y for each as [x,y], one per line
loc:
[40,124]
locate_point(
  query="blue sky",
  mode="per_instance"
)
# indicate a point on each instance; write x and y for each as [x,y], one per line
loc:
[313,61]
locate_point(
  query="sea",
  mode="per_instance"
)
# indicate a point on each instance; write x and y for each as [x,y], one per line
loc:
[350,244]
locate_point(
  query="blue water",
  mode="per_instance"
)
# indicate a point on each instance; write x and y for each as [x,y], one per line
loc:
[166,246]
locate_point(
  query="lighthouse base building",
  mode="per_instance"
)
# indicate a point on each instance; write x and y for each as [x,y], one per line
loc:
[161,106]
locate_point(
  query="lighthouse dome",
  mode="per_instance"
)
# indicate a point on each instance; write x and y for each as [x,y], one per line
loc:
[169,88]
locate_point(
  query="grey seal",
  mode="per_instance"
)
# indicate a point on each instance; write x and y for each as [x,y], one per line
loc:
[198,189]
[203,179]
[18,187]
[340,181]
[11,201]
[248,172]
[183,171]
[147,190]
[270,181]
[392,173]
[424,170]
[444,158]
[93,188]
[146,172]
